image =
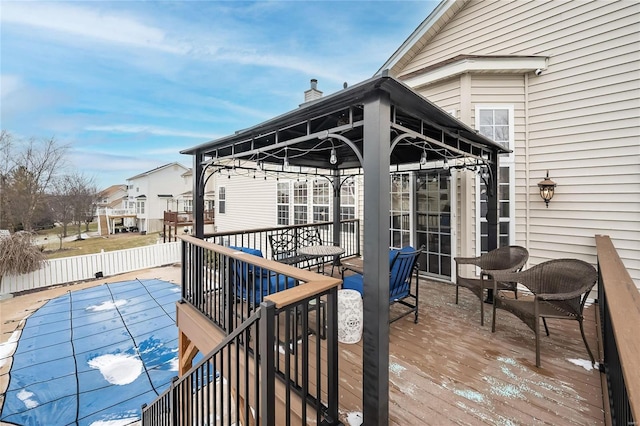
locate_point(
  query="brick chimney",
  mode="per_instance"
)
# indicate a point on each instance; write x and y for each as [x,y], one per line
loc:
[313,93]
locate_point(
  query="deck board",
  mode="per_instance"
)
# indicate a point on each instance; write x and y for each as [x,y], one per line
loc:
[448,368]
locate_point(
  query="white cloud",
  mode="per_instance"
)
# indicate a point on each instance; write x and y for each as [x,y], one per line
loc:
[152,130]
[9,84]
[84,22]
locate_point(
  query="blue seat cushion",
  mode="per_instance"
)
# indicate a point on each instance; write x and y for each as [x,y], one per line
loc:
[353,282]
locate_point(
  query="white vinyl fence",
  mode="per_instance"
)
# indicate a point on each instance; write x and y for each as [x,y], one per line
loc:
[78,268]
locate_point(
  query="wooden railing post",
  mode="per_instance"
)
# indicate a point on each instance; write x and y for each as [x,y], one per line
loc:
[267,363]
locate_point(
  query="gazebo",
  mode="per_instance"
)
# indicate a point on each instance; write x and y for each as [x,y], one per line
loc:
[372,128]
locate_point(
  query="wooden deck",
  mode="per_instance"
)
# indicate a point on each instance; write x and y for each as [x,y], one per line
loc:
[447,369]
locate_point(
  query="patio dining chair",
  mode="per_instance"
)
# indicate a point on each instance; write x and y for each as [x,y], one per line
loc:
[560,289]
[508,258]
[285,245]
[402,264]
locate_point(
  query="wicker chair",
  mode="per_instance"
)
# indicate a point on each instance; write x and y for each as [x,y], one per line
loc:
[508,258]
[560,289]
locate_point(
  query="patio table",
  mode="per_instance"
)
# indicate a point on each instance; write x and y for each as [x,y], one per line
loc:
[323,251]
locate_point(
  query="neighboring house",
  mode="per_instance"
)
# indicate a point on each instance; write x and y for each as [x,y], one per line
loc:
[110,209]
[152,193]
[557,82]
[283,199]
[112,197]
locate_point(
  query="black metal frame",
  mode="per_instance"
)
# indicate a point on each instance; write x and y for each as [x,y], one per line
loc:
[396,125]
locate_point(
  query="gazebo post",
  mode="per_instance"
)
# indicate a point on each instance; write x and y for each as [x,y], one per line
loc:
[375,350]
[198,195]
[335,181]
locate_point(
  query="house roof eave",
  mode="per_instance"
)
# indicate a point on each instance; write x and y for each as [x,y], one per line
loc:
[438,17]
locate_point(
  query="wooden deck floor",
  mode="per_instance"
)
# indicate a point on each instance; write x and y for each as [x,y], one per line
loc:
[447,369]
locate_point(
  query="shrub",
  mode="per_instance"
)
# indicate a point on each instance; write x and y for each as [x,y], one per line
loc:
[18,254]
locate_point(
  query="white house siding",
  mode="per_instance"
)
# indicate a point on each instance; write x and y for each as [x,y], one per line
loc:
[250,203]
[163,181]
[582,121]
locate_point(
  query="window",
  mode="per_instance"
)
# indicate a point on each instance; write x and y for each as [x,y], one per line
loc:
[222,200]
[210,205]
[300,203]
[140,207]
[188,205]
[348,204]
[283,203]
[496,122]
[400,225]
[321,200]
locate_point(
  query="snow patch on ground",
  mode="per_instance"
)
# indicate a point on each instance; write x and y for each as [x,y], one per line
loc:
[117,369]
[470,395]
[25,396]
[354,419]
[105,306]
[584,363]
[9,347]
[174,364]
[396,369]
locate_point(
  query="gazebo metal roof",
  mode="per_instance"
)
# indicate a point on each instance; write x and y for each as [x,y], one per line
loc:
[307,134]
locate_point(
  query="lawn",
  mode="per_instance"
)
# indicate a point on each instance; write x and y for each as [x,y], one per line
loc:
[94,244]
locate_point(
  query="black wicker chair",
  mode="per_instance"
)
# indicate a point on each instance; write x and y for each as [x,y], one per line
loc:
[508,258]
[560,288]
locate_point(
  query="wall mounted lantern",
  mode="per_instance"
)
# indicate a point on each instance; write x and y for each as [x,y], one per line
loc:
[547,188]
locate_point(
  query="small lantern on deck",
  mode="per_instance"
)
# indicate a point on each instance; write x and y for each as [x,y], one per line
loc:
[547,188]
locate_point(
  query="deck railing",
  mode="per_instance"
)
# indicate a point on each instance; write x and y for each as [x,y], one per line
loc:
[619,302]
[259,238]
[277,362]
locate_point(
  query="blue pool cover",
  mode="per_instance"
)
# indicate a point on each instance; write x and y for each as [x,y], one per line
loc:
[94,356]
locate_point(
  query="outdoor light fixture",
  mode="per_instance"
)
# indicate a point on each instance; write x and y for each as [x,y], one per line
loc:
[547,188]
[445,166]
[286,159]
[333,158]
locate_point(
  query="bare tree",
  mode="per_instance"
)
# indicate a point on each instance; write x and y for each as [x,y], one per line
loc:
[18,255]
[72,199]
[60,202]
[29,175]
[83,197]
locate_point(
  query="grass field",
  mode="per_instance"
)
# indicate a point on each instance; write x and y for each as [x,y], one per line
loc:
[49,241]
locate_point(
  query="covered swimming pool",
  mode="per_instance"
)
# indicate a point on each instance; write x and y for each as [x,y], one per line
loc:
[94,356]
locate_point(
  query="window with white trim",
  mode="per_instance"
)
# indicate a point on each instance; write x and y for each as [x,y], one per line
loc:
[300,197]
[400,225]
[497,123]
[321,200]
[222,200]
[282,202]
[348,204]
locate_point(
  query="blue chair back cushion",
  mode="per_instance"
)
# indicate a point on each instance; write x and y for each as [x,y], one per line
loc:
[253,282]
[401,264]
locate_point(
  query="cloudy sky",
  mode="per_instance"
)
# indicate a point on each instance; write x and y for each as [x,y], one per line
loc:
[128,84]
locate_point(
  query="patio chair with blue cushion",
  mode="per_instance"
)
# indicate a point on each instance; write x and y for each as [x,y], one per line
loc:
[252,283]
[402,263]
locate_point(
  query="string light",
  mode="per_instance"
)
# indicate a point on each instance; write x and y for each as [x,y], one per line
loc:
[423,158]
